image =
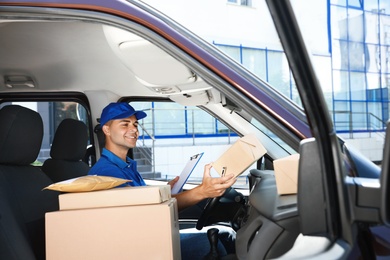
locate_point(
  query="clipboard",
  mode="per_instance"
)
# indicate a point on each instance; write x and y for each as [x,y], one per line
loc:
[186,172]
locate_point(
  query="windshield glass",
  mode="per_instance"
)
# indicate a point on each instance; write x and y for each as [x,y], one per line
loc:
[260,53]
[187,131]
[348,42]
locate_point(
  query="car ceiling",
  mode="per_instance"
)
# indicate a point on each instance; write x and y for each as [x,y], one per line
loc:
[72,54]
[83,56]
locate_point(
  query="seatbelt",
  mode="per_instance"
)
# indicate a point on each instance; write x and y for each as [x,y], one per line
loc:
[100,136]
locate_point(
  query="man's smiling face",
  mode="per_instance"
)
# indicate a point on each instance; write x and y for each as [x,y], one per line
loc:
[122,132]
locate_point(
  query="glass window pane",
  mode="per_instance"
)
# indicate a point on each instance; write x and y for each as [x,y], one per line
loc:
[386,112]
[385,65]
[356,56]
[371,20]
[246,2]
[199,122]
[169,119]
[359,116]
[336,55]
[370,5]
[385,29]
[147,121]
[384,6]
[341,85]
[342,116]
[355,3]
[355,25]
[358,86]
[375,94]
[343,55]
[255,61]
[385,94]
[373,80]
[279,72]
[295,94]
[233,52]
[339,22]
[374,117]
[339,2]
[386,80]
[221,128]
[323,68]
[372,58]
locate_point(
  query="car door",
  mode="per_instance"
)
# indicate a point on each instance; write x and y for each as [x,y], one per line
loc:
[349,233]
[191,72]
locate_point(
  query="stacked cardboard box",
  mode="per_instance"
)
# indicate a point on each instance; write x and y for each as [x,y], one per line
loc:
[286,174]
[121,223]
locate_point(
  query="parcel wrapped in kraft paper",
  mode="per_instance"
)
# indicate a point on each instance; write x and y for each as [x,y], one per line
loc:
[286,174]
[242,154]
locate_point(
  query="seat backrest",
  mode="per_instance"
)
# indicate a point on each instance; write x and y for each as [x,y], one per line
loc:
[67,151]
[23,203]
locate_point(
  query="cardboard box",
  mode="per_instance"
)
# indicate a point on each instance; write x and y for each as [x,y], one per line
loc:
[122,196]
[242,154]
[125,232]
[286,174]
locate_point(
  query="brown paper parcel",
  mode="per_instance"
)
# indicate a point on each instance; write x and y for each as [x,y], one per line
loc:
[286,174]
[242,154]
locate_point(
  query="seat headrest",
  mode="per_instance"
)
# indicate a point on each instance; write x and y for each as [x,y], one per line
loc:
[70,141]
[21,134]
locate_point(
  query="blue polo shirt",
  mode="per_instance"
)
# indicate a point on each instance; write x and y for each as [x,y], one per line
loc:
[111,165]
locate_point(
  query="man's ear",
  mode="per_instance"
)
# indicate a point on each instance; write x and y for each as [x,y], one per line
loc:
[106,129]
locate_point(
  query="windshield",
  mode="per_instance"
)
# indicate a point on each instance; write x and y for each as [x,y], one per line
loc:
[186,131]
[348,41]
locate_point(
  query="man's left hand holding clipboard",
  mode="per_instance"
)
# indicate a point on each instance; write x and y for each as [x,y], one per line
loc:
[186,172]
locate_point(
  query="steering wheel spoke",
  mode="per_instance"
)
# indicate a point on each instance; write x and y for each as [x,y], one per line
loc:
[223,208]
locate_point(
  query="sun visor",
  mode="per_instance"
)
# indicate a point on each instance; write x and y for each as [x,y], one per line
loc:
[150,65]
[154,66]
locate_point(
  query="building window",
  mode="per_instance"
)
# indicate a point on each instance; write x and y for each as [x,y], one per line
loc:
[241,2]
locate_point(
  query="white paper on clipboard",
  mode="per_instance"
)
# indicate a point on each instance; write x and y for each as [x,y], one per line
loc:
[186,172]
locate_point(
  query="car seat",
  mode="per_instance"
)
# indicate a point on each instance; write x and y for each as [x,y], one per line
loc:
[67,151]
[23,202]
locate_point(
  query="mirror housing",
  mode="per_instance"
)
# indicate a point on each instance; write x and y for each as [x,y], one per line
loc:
[385,179]
[370,196]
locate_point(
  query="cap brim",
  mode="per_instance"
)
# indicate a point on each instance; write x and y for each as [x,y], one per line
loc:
[138,114]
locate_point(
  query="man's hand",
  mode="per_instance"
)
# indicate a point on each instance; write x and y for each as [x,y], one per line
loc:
[214,187]
[209,188]
[172,182]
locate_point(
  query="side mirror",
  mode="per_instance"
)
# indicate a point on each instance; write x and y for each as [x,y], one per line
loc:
[368,186]
[385,179]
[372,195]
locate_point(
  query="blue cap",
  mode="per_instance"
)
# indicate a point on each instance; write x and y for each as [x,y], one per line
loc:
[119,110]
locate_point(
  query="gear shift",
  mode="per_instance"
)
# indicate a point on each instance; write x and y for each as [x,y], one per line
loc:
[212,235]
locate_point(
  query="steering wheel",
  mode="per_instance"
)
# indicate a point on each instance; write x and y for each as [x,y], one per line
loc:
[227,204]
